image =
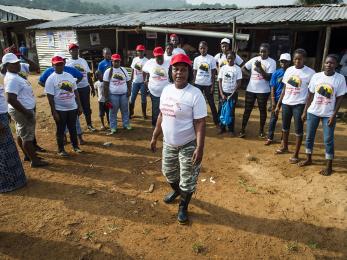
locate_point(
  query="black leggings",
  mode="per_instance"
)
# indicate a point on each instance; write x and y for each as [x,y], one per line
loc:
[249,104]
[210,99]
[66,118]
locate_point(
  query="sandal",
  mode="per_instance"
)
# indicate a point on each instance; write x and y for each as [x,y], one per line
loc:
[304,163]
[268,142]
[293,160]
[325,172]
[281,151]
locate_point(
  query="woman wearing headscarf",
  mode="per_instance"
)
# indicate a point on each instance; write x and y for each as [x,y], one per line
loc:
[182,121]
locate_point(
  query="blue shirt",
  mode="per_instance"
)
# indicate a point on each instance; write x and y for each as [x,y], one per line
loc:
[48,72]
[276,82]
[104,65]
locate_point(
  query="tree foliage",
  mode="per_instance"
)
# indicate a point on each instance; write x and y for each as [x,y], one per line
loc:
[72,6]
[317,2]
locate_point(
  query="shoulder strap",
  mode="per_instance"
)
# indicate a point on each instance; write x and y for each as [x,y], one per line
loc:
[123,73]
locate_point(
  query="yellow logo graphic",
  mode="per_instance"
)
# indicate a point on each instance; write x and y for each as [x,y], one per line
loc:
[160,72]
[79,67]
[138,66]
[23,74]
[66,85]
[294,81]
[118,76]
[204,66]
[325,90]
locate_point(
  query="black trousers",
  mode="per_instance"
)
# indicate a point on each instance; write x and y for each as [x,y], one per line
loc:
[206,90]
[84,94]
[66,118]
[250,98]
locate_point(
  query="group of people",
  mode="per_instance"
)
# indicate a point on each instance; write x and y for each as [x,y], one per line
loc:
[177,87]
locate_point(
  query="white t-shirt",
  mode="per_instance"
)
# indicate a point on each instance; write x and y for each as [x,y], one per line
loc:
[179,107]
[168,58]
[15,84]
[24,70]
[229,76]
[82,66]
[158,76]
[296,82]
[178,51]
[137,65]
[118,83]
[62,87]
[326,89]
[204,66]
[257,83]
[3,101]
[100,88]
[221,59]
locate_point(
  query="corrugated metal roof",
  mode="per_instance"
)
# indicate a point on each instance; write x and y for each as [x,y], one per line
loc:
[245,16]
[36,14]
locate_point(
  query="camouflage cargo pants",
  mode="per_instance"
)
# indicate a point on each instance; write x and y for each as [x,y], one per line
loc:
[177,165]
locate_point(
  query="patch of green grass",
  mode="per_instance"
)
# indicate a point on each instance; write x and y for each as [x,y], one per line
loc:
[89,235]
[313,245]
[244,183]
[199,248]
[293,246]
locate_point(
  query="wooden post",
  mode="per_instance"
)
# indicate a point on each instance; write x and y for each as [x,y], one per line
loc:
[234,35]
[116,40]
[326,44]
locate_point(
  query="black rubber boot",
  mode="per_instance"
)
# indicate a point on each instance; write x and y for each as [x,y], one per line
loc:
[144,112]
[170,197]
[131,110]
[182,216]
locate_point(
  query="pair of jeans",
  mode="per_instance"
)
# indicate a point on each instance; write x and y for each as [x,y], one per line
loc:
[328,134]
[136,87]
[295,111]
[233,99]
[177,165]
[272,124]
[155,109]
[206,90]
[66,119]
[119,101]
[84,94]
[250,99]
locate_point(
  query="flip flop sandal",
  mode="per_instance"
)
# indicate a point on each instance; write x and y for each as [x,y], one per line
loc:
[281,151]
[293,160]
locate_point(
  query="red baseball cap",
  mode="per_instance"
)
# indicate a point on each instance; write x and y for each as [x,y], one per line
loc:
[116,57]
[57,60]
[158,51]
[173,35]
[73,45]
[140,47]
[180,58]
[12,49]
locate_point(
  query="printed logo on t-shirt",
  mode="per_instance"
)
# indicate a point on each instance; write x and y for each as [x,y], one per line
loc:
[66,85]
[256,75]
[138,66]
[160,73]
[79,67]
[23,74]
[224,62]
[294,81]
[325,91]
[118,76]
[204,66]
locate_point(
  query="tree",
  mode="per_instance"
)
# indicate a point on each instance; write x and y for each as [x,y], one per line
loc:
[317,2]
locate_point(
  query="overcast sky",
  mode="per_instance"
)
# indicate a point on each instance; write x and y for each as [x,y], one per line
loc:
[245,3]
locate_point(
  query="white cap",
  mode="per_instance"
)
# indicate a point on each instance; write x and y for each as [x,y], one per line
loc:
[225,40]
[60,54]
[285,56]
[9,58]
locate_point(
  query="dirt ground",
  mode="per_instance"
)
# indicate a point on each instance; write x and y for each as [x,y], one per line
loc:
[94,205]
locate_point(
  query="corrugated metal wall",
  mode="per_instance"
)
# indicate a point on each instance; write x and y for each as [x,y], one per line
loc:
[49,42]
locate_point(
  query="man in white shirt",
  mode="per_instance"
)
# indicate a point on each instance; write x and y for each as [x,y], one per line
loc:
[204,77]
[85,87]
[221,58]
[137,81]
[259,69]
[175,41]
